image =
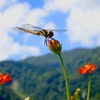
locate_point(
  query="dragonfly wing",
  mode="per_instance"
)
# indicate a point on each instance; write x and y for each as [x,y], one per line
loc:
[29,26]
[56,30]
[23,30]
[16,29]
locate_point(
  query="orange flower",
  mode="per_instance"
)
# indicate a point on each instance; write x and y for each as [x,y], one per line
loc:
[7,77]
[54,46]
[87,69]
[1,79]
[4,78]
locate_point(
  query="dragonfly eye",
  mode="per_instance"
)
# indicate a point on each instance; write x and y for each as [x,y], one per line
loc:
[50,34]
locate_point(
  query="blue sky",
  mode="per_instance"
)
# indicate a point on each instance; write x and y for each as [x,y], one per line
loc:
[80,18]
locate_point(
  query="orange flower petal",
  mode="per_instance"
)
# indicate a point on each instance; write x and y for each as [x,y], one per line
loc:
[93,68]
[82,71]
[7,77]
[1,75]
[1,79]
[87,69]
[87,66]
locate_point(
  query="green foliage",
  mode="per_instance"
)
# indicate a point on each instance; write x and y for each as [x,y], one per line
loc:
[8,94]
[42,79]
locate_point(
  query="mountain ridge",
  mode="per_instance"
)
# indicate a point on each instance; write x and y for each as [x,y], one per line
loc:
[42,77]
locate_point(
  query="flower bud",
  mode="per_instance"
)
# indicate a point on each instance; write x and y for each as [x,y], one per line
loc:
[78,90]
[28,98]
[76,93]
[54,46]
[72,97]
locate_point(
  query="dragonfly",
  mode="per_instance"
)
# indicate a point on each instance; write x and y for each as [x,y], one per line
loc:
[29,28]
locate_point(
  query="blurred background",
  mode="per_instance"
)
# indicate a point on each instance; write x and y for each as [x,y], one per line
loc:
[35,71]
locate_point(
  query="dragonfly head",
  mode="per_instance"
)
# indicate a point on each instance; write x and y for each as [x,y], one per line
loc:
[51,34]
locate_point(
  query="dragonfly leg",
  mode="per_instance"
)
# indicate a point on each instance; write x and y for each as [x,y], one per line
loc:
[45,42]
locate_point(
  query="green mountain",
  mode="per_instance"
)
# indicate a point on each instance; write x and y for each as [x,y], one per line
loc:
[41,77]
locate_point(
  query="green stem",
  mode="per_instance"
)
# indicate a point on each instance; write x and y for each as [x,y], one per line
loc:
[65,77]
[89,86]
[77,98]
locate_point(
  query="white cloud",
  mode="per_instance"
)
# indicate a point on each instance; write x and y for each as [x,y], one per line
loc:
[58,5]
[9,48]
[98,43]
[49,25]
[4,3]
[10,17]
[83,23]
[15,14]
[35,16]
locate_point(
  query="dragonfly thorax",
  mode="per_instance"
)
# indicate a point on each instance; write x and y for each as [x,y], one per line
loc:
[50,34]
[47,33]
